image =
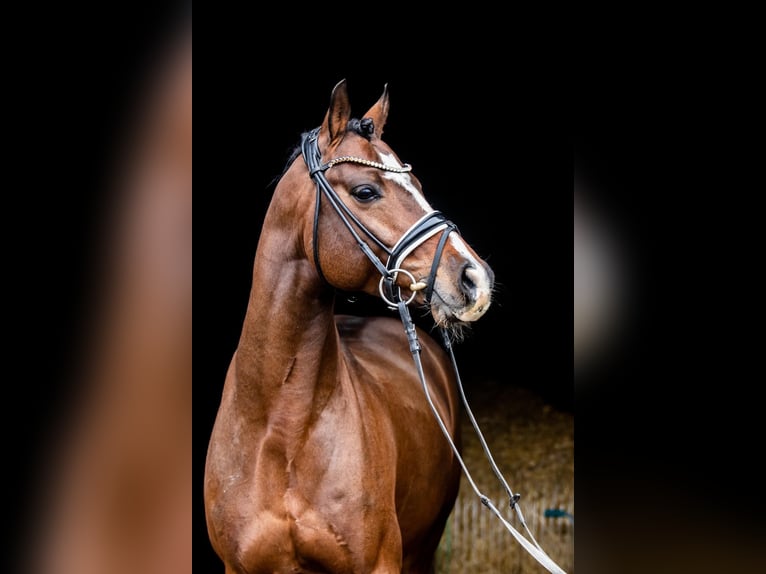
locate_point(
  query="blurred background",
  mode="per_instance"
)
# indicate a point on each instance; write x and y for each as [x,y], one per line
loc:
[98,261]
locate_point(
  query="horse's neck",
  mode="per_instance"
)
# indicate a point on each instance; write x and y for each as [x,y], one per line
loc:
[287,354]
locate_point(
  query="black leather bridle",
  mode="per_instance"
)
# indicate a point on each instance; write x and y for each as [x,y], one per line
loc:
[426,227]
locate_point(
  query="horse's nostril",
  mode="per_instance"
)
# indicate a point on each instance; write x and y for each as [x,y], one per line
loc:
[466,282]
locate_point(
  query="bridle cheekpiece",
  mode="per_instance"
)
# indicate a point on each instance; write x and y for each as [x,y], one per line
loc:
[422,230]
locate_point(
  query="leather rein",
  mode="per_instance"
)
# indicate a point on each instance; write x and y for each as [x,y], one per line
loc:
[422,230]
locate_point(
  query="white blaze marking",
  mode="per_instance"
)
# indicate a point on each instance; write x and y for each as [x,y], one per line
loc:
[480,277]
[404,180]
[459,245]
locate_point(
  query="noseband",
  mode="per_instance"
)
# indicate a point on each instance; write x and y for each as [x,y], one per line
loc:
[423,229]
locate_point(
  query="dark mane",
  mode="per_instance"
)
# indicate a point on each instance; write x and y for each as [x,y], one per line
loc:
[296,151]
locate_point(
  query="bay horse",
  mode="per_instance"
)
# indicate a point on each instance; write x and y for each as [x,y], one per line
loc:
[325,455]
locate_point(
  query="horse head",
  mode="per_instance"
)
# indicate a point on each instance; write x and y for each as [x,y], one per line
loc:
[404,248]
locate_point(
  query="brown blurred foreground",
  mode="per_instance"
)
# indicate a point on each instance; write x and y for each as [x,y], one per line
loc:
[115,497]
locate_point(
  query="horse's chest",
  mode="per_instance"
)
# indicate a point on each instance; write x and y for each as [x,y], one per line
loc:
[297,535]
[325,509]
[284,544]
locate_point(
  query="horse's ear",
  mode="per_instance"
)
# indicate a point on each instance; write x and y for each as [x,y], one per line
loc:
[379,112]
[338,114]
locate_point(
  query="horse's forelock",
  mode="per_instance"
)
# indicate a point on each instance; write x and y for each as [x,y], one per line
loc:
[363,127]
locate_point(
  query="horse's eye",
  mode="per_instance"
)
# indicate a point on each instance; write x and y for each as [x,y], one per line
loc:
[365,194]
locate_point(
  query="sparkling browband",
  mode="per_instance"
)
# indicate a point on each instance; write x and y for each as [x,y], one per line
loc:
[348,158]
